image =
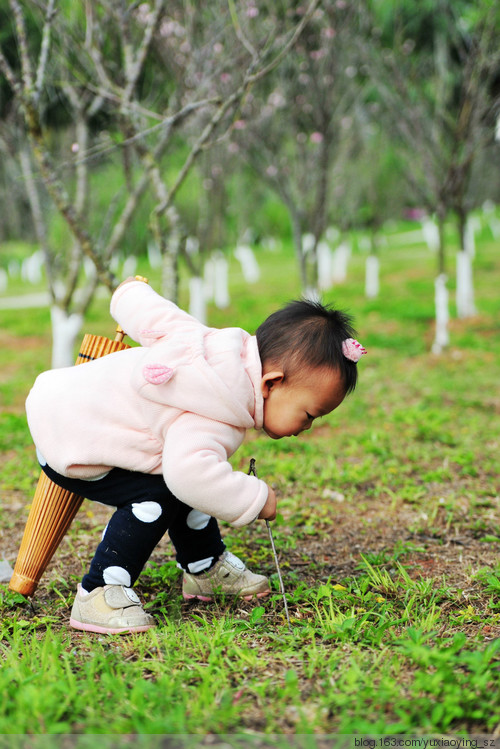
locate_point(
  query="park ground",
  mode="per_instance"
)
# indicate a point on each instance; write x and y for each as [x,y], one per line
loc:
[388,536]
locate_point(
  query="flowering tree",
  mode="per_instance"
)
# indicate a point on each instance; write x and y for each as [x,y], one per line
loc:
[433,69]
[294,128]
[139,83]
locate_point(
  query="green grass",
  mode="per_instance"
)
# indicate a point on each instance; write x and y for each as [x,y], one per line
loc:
[388,534]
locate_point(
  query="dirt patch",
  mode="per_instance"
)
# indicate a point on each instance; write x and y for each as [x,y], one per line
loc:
[333,551]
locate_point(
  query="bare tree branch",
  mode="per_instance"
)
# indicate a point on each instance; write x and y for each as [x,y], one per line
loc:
[9,74]
[239,31]
[137,64]
[27,74]
[250,78]
[44,49]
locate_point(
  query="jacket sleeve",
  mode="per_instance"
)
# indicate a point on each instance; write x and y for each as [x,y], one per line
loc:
[144,315]
[197,471]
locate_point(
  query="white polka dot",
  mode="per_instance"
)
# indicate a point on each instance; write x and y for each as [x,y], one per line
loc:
[197,520]
[116,576]
[148,512]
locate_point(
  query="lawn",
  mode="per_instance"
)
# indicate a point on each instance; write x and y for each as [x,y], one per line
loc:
[388,536]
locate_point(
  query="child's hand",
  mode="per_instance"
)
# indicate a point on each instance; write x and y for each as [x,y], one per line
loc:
[268,512]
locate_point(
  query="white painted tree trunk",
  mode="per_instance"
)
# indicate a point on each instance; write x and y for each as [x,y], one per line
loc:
[154,255]
[65,329]
[221,281]
[372,284]
[465,286]
[89,268]
[325,260]
[472,225]
[209,279]
[495,227]
[32,268]
[129,266]
[249,266]
[308,242]
[430,230]
[197,301]
[442,338]
[340,261]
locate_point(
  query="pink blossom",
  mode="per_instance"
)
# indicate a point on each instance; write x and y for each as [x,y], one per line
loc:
[239,124]
[225,77]
[276,99]
[143,13]
[317,54]
[316,137]
[75,148]
[252,11]
[271,171]
[171,28]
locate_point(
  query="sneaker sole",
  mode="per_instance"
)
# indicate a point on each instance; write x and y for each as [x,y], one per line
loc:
[108,630]
[190,596]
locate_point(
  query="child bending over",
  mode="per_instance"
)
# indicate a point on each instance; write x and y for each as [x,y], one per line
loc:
[149,430]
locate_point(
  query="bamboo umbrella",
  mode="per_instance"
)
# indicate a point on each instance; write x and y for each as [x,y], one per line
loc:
[53,508]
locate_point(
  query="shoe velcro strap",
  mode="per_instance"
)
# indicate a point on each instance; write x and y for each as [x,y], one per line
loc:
[118,597]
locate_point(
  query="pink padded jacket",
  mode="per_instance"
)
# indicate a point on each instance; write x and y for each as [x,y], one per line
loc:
[178,404]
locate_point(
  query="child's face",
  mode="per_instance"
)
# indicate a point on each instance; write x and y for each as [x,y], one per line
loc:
[290,408]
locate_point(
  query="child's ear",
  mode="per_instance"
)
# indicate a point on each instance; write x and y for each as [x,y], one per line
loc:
[269,380]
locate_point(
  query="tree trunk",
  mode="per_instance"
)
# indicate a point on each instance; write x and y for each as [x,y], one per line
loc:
[65,329]
[249,266]
[170,251]
[221,289]
[372,285]
[197,301]
[297,243]
[325,263]
[465,285]
[340,261]
[441,298]
[441,339]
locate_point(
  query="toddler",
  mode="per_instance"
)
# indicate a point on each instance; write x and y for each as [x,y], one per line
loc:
[149,430]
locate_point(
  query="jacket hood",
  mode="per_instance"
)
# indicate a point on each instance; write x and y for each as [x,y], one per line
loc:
[205,376]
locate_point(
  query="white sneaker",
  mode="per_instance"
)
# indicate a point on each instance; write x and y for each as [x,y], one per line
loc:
[111,610]
[228,576]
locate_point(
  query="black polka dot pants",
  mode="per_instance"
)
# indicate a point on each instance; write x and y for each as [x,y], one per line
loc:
[145,510]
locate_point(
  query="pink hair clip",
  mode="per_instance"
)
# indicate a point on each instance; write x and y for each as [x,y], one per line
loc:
[352,349]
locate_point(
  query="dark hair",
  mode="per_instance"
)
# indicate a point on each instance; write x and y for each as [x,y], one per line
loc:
[305,333]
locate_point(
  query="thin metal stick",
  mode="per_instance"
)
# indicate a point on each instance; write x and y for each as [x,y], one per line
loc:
[253,471]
